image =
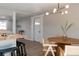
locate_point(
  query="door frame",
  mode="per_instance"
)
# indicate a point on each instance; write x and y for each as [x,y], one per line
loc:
[32,26]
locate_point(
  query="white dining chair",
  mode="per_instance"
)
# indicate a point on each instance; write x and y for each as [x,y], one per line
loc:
[71,50]
[50,47]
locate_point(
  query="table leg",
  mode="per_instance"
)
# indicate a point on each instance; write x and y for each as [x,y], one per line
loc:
[60,50]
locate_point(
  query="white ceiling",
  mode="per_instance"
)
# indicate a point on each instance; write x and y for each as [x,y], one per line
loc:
[26,9]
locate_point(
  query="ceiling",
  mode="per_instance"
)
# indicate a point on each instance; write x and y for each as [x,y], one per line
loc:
[26,9]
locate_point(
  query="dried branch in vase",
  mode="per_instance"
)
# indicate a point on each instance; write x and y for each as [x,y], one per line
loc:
[66,27]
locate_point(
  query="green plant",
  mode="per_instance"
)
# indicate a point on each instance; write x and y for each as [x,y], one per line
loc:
[66,27]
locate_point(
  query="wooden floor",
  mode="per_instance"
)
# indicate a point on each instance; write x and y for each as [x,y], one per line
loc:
[34,48]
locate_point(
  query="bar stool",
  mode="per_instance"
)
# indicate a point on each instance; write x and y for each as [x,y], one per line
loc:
[50,48]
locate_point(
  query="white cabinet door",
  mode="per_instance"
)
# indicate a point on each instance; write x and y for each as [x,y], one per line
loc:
[37,28]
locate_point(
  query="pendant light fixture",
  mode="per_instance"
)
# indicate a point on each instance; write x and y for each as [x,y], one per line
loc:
[59,10]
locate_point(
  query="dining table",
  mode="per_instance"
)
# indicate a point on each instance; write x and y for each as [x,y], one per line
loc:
[61,42]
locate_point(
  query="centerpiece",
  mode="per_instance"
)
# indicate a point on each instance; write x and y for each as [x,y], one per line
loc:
[65,28]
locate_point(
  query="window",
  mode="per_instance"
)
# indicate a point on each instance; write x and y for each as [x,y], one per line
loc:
[3,25]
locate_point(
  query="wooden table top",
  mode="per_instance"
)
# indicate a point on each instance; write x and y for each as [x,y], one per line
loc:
[63,40]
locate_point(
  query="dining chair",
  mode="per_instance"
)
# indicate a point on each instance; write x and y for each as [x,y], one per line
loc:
[21,49]
[50,47]
[71,50]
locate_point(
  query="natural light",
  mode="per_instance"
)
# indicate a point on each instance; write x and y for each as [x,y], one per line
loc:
[3,25]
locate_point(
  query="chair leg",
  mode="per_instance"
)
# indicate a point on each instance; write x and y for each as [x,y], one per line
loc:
[50,49]
[46,52]
[13,53]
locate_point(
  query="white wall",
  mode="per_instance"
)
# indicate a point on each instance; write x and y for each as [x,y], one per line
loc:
[9,25]
[52,23]
[25,24]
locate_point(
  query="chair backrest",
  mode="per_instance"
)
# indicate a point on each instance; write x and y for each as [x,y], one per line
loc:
[45,41]
[71,50]
[21,50]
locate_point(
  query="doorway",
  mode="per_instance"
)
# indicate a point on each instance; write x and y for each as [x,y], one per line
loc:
[37,28]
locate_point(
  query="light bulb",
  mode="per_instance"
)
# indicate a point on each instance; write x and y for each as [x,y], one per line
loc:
[54,11]
[62,13]
[47,13]
[67,6]
[66,12]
